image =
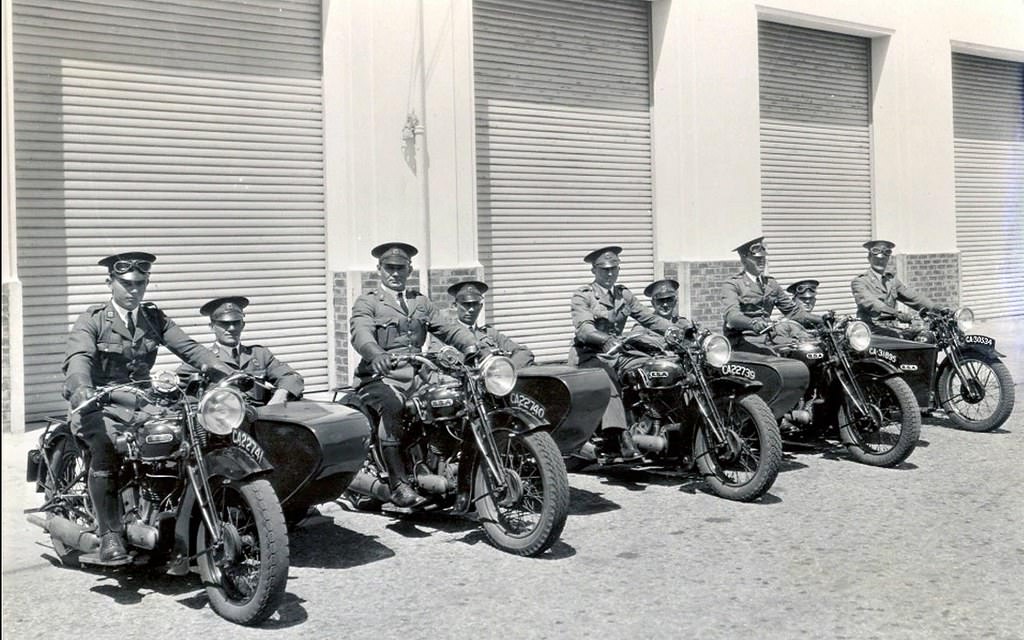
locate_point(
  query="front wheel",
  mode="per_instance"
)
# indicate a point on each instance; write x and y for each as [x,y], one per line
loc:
[245,574]
[984,400]
[886,433]
[745,465]
[525,517]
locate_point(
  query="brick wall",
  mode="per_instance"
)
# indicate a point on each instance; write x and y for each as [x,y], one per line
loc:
[6,358]
[936,275]
[700,286]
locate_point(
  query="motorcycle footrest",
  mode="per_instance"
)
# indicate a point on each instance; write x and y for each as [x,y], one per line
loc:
[94,559]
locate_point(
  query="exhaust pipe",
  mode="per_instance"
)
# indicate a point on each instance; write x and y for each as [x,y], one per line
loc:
[650,444]
[69,533]
[798,417]
[370,485]
[433,483]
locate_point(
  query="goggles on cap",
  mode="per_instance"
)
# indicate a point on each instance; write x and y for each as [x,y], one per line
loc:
[804,288]
[880,251]
[122,267]
[664,299]
[757,249]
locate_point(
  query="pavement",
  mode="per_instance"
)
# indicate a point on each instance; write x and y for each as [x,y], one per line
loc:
[931,549]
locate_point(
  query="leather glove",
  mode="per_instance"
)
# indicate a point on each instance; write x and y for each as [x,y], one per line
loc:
[611,345]
[760,324]
[80,395]
[381,364]
[903,316]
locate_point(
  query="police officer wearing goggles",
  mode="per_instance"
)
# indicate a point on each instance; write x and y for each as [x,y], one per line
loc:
[750,296]
[599,313]
[664,295]
[113,343]
[468,298]
[390,320]
[805,292]
[877,291]
[227,320]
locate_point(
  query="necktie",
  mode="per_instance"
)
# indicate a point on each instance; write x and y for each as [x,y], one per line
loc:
[401,301]
[131,324]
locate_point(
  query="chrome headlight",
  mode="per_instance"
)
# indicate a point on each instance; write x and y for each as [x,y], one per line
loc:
[222,410]
[499,375]
[964,318]
[858,335]
[717,349]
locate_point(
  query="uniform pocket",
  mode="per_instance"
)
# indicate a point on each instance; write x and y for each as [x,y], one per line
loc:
[110,347]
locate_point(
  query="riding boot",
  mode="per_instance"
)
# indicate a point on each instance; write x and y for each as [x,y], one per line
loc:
[102,491]
[402,493]
[628,448]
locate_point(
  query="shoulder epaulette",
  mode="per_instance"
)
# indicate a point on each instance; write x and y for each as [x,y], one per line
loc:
[95,308]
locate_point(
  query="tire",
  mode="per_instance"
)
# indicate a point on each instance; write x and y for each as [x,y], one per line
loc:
[889,435]
[531,516]
[255,532]
[65,488]
[996,404]
[748,475]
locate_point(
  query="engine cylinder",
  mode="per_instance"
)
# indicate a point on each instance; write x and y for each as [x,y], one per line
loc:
[650,444]
[432,483]
[142,535]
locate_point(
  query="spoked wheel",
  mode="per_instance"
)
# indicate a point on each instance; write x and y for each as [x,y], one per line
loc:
[526,516]
[984,400]
[745,466]
[245,574]
[67,494]
[886,434]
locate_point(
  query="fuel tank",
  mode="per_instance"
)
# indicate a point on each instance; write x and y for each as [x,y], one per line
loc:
[915,360]
[571,400]
[315,448]
[784,380]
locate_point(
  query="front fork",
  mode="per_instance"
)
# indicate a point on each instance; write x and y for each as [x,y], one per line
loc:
[200,479]
[485,443]
[967,382]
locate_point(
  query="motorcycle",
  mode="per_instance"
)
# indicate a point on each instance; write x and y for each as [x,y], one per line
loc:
[686,403]
[472,450]
[970,383]
[853,389]
[192,486]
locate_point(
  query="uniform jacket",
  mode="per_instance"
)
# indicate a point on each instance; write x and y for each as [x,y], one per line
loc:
[598,315]
[487,335]
[876,297]
[257,361]
[678,320]
[378,325]
[100,350]
[745,301]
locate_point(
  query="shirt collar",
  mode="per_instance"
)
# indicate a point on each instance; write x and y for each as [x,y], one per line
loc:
[471,327]
[122,312]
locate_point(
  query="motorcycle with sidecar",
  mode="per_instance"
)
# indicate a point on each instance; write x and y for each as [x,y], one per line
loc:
[850,392]
[472,451]
[686,404]
[969,382]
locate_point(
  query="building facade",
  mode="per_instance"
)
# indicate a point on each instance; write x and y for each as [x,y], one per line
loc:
[263,147]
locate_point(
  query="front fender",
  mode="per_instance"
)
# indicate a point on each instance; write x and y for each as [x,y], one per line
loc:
[734,385]
[518,420]
[982,346]
[874,368]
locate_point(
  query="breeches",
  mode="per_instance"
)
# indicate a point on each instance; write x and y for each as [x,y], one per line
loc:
[388,403]
[97,430]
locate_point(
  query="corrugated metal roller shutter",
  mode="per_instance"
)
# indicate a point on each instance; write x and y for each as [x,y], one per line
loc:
[988,127]
[563,155]
[815,156]
[189,129]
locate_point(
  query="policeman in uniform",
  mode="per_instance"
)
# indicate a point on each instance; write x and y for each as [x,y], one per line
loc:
[468,297]
[599,313]
[877,291]
[227,320]
[805,292]
[111,343]
[390,320]
[664,295]
[750,296]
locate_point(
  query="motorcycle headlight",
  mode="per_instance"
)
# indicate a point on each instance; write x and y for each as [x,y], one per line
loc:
[717,350]
[221,410]
[858,335]
[964,319]
[499,375]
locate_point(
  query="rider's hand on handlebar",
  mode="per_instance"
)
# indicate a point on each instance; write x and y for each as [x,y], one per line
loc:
[82,395]
[760,324]
[381,364]
[280,397]
[903,316]
[612,346]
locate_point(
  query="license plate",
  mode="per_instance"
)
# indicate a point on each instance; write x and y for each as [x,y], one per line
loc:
[984,341]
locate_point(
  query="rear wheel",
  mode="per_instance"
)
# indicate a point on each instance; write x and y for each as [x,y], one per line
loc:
[886,434]
[67,494]
[984,400]
[245,574]
[527,516]
[745,465]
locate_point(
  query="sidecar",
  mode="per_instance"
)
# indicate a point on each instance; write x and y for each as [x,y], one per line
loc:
[783,380]
[316,448]
[916,361]
[571,400]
